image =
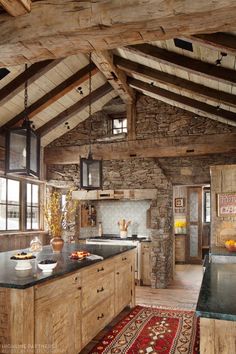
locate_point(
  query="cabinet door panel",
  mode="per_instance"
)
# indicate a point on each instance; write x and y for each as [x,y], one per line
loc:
[123,287]
[96,289]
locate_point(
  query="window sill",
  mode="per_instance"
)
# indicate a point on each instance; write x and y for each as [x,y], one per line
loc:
[22,233]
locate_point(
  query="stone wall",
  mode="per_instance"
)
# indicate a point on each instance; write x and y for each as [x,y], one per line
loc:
[154,119]
[137,173]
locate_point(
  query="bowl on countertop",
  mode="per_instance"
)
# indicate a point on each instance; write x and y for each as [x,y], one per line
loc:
[47,265]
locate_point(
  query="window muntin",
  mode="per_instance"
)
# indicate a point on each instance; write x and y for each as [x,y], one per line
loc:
[9,204]
[119,125]
[32,206]
[19,205]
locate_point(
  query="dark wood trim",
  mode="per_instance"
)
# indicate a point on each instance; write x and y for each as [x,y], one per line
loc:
[194,66]
[205,108]
[31,74]
[219,41]
[74,109]
[194,145]
[49,98]
[175,82]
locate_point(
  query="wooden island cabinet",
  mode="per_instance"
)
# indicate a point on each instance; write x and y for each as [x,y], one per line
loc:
[63,313]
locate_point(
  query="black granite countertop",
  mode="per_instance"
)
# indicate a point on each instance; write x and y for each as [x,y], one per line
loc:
[115,237]
[217,295]
[221,251]
[21,279]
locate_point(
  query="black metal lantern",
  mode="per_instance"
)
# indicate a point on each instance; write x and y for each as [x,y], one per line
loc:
[90,173]
[23,148]
[90,169]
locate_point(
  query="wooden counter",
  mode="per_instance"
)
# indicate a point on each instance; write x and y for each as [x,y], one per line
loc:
[63,314]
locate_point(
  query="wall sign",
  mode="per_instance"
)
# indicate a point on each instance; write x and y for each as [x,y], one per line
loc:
[179,202]
[226,204]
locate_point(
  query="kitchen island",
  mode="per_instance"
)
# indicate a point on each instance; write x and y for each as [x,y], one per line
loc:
[217,309]
[62,311]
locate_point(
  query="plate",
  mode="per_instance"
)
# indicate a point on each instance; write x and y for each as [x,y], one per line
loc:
[79,255]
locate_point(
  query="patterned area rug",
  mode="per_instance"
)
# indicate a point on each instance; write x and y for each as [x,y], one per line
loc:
[149,330]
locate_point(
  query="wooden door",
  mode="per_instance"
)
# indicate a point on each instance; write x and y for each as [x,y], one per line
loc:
[194,225]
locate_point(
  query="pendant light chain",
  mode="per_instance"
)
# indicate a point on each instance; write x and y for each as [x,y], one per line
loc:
[90,101]
[26,97]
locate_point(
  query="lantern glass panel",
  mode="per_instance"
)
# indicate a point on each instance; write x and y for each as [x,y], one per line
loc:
[33,152]
[91,174]
[18,152]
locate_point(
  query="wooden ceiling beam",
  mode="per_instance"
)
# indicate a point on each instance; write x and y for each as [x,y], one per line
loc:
[66,27]
[16,7]
[74,109]
[66,86]
[182,62]
[31,75]
[175,82]
[224,42]
[117,78]
[193,145]
[187,103]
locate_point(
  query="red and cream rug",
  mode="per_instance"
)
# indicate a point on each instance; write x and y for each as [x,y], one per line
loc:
[149,330]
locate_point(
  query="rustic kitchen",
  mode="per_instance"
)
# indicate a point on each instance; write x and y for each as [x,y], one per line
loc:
[117,177]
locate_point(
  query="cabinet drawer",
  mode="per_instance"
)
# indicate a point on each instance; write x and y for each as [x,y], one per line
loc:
[96,320]
[56,288]
[124,258]
[96,290]
[96,271]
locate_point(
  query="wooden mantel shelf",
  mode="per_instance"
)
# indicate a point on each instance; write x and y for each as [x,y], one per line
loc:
[119,194]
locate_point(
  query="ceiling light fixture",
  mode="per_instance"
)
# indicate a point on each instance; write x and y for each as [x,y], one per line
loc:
[90,169]
[23,145]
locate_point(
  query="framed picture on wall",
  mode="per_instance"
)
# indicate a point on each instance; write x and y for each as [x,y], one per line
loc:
[179,202]
[226,204]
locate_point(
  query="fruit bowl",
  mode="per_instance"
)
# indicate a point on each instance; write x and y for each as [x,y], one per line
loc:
[230,245]
[47,265]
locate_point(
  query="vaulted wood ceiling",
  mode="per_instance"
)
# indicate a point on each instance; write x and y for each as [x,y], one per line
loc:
[132,50]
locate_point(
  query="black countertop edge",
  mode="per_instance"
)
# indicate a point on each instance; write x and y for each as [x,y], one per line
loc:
[17,279]
[217,294]
[221,251]
[115,238]
[216,316]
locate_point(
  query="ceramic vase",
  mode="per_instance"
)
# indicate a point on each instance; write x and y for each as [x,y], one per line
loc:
[57,244]
[123,233]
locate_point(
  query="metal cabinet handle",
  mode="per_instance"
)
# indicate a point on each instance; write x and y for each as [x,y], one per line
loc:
[75,279]
[100,269]
[101,316]
[100,290]
[124,259]
[117,273]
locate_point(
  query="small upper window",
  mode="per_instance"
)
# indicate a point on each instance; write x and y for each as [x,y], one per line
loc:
[119,126]
[9,204]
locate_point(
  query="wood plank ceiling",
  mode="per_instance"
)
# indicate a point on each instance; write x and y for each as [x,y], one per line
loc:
[202,81]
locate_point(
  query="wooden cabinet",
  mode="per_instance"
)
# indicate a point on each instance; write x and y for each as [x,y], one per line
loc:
[58,316]
[180,248]
[63,315]
[107,288]
[146,266]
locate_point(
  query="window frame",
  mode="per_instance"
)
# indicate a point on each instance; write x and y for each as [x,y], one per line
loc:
[23,205]
[206,191]
[14,204]
[123,119]
[32,183]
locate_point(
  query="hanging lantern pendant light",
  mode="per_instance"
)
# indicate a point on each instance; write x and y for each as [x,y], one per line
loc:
[23,146]
[90,169]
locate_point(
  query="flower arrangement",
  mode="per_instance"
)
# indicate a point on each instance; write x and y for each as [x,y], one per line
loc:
[57,214]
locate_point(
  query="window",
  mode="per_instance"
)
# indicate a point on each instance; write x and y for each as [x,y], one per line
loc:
[32,206]
[19,205]
[9,204]
[119,126]
[207,206]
